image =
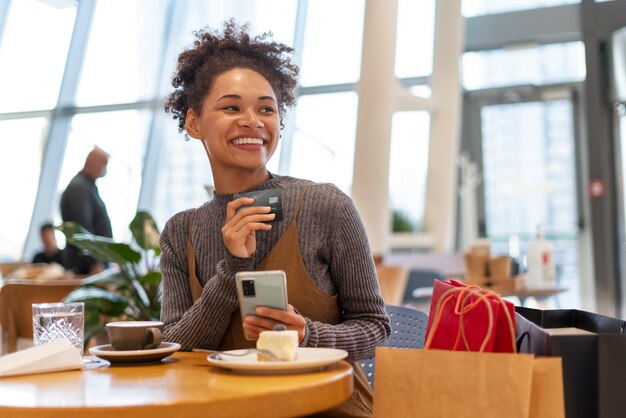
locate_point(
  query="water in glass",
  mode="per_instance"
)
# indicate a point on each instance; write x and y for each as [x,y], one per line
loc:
[51,322]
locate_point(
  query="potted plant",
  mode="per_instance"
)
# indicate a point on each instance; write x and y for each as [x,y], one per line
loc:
[130,288]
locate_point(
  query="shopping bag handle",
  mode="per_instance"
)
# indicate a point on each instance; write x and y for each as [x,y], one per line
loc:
[461,308]
[445,298]
[507,314]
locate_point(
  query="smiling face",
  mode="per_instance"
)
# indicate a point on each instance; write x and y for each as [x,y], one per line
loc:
[239,126]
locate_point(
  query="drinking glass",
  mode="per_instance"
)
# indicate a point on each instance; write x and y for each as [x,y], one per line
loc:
[59,320]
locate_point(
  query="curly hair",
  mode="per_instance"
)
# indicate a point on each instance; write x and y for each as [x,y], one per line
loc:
[215,52]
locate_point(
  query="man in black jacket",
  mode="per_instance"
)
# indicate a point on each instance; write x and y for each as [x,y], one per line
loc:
[81,203]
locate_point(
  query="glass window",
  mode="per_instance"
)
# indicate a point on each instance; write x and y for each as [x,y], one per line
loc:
[408,169]
[483,7]
[123,136]
[21,151]
[529,167]
[323,141]
[331,53]
[421,90]
[529,180]
[622,144]
[32,55]
[554,63]
[121,65]
[263,16]
[184,177]
[414,38]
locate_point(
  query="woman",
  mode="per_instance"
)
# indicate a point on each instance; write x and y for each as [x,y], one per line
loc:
[231,91]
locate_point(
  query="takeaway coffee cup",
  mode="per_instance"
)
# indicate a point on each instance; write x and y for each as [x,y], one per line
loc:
[134,335]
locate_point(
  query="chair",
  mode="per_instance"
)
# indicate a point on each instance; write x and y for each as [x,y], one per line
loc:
[392,281]
[408,330]
[419,288]
[16,299]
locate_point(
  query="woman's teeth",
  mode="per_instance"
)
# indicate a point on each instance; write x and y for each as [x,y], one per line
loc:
[242,141]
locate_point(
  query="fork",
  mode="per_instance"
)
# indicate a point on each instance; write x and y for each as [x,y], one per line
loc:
[266,353]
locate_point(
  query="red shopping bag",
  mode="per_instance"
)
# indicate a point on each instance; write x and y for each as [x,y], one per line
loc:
[468,318]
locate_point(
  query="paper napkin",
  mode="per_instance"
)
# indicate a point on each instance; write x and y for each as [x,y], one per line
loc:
[55,356]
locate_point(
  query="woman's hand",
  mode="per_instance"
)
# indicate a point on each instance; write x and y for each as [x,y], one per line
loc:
[268,317]
[239,231]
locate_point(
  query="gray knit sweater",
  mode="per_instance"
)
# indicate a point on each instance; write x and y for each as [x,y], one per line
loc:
[335,251]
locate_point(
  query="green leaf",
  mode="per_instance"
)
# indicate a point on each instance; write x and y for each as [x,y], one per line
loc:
[71,228]
[93,296]
[141,293]
[144,230]
[125,251]
[105,249]
[109,277]
[93,324]
[153,278]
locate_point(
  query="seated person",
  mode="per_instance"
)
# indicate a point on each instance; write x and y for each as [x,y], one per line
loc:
[51,252]
[232,91]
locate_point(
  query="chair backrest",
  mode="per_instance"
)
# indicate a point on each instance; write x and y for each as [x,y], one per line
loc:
[16,299]
[392,281]
[419,287]
[408,330]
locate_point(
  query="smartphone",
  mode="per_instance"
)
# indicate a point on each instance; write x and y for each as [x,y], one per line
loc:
[261,288]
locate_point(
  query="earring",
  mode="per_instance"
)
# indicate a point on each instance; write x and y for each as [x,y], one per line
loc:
[187,137]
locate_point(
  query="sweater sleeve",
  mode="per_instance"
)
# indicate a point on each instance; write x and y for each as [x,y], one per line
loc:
[365,324]
[201,324]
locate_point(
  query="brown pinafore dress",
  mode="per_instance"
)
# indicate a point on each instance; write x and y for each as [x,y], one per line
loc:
[286,256]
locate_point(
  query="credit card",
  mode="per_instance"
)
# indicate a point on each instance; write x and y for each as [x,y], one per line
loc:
[269,197]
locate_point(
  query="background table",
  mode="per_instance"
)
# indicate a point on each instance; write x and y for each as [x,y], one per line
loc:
[540,294]
[184,385]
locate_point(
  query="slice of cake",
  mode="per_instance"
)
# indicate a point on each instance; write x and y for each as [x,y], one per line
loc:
[277,345]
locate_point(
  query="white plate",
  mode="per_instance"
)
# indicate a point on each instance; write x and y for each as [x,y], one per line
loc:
[107,352]
[306,359]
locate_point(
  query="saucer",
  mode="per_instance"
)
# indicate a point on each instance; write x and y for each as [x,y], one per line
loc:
[107,352]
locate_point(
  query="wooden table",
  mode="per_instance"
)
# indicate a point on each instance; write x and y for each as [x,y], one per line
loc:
[183,385]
